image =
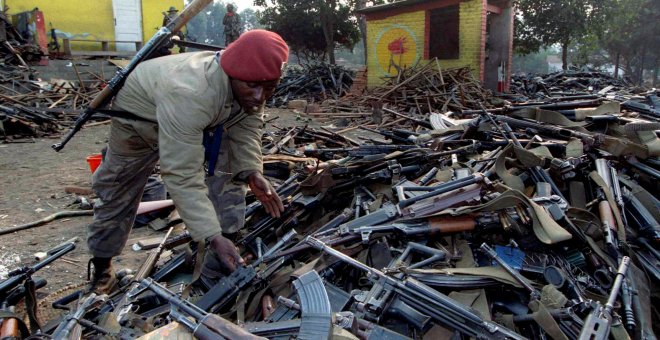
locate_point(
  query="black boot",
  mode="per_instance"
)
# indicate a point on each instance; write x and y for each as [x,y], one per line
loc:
[103,278]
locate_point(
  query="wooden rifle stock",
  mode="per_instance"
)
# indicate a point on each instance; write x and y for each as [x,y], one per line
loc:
[10,330]
[451,224]
[213,325]
[124,305]
[115,84]
[151,260]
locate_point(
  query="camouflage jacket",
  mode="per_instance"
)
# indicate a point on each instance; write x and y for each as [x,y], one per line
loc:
[232,24]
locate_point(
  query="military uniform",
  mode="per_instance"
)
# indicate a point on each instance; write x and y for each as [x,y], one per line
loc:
[167,18]
[232,23]
[180,96]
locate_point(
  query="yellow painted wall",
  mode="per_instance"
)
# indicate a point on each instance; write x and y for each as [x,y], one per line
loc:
[91,19]
[152,15]
[407,28]
[410,27]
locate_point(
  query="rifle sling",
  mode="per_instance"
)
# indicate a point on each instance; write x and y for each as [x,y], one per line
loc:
[551,117]
[507,176]
[123,114]
[544,227]
[544,319]
[31,305]
[197,271]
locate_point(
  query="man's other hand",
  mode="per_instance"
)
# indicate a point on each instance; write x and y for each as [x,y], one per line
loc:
[227,252]
[266,194]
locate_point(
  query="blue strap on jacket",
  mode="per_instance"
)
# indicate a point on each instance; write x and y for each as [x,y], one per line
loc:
[212,148]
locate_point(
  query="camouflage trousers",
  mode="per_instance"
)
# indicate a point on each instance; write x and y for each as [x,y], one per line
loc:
[119,182]
[230,38]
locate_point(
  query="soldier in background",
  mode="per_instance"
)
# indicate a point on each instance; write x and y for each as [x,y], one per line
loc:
[167,18]
[232,22]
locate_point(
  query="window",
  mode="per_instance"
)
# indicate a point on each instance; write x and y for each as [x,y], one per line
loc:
[443,35]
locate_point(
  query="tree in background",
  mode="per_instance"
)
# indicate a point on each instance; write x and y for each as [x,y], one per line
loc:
[250,19]
[312,28]
[543,23]
[630,33]
[588,52]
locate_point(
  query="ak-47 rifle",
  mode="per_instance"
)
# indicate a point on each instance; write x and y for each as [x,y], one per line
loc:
[360,151]
[114,85]
[441,308]
[228,287]
[18,276]
[70,327]
[23,277]
[203,325]
[597,324]
[426,228]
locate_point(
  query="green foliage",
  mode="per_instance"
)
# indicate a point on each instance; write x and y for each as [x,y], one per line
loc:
[250,19]
[543,23]
[312,28]
[630,33]
[623,33]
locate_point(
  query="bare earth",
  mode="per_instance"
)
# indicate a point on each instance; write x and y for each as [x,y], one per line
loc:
[32,182]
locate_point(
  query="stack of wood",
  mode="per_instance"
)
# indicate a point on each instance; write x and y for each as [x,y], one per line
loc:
[567,83]
[33,108]
[415,93]
[314,83]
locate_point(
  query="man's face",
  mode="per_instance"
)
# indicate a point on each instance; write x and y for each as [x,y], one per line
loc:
[251,95]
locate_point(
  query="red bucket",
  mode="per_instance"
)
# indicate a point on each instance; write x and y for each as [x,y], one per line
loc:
[94,161]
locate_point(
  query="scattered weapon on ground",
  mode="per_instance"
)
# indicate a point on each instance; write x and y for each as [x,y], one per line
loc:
[123,307]
[534,293]
[440,307]
[423,229]
[19,276]
[70,327]
[417,203]
[229,286]
[204,326]
[359,151]
[597,325]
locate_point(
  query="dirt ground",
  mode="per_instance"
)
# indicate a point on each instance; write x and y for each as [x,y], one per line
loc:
[32,182]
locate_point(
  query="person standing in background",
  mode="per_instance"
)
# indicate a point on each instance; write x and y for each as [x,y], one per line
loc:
[232,22]
[167,18]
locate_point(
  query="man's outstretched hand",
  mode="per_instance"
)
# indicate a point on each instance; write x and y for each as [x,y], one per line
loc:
[227,252]
[266,194]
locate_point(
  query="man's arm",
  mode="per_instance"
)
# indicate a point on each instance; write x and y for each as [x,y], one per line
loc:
[245,146]
[246,161]
[182,118]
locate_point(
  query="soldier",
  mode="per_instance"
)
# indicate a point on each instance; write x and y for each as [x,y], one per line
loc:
[232,22]
[179,100]
[167,17]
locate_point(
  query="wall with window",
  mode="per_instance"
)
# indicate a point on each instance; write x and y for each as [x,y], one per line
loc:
[452,30]
[90,20]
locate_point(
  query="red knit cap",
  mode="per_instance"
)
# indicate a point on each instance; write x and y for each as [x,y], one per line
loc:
[257,55]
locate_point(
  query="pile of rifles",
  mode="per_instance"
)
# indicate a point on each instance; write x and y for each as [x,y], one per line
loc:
[532,221]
